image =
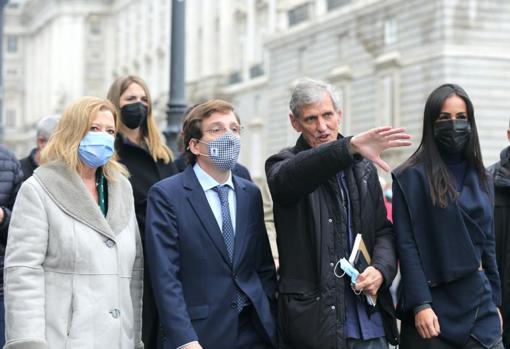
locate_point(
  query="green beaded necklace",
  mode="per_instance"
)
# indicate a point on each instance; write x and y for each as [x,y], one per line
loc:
[100,190]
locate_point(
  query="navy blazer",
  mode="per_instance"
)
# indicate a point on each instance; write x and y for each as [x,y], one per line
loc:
[441,251]
[194,282]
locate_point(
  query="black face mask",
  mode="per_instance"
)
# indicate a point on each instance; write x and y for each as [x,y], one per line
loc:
[133,115]
[452,136]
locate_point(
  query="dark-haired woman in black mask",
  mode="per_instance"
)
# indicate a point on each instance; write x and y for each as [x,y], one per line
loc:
[443,218]
[141,149]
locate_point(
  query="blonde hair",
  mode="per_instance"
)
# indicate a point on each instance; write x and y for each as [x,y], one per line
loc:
[72,127]
[150,133]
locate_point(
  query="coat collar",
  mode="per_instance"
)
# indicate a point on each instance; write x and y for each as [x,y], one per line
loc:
[68,191]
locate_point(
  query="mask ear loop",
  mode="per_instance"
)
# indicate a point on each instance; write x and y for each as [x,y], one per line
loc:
[356,292]
[334,270]
[198,141]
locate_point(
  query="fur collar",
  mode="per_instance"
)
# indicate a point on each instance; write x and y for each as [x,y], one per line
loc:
[67,190]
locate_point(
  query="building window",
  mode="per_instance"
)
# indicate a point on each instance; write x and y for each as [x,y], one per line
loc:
[343,46]
[301,59]
[12,44]
[95,25]
[10,118]
[390,31]
[333,4]
[256,70]
[235,77]
[298,14]
[12,72]
[388,100]
[344,104]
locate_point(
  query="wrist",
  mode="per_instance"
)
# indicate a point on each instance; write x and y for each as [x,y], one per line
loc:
[421,307]
[351,146]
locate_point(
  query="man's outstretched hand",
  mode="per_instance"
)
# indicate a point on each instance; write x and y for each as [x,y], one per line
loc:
[372,143]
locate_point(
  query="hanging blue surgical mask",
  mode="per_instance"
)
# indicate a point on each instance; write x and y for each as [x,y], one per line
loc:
[224,151]
[96,149]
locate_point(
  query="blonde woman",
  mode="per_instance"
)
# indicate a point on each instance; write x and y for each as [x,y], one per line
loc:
[141,149]
[73,264]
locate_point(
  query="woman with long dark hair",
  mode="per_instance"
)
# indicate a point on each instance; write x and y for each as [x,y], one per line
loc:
[443,216]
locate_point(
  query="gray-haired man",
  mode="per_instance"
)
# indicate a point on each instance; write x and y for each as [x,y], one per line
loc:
[45,128]
[324,193]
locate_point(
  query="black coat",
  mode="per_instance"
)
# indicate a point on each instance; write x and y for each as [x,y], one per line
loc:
[501,174]
[305,193]
[144,172]
[28,164]
[11,178]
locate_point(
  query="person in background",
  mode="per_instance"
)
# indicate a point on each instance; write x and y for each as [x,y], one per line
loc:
[324,194]
[141,149]
[73,263]
[387,194]
[210,261]
[12,177]
[443,219]
[500,172]
[44,130]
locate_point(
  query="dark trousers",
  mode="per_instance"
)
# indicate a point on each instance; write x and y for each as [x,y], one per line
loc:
[2,322]
[250,333]
[376,343]
[150,319]
[410,339]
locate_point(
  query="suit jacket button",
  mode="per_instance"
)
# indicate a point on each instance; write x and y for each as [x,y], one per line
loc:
[115,313]
[234,305]
[234,276]
[110,243]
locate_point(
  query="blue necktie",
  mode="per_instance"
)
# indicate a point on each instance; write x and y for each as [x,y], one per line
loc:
[226,227]
[228,235]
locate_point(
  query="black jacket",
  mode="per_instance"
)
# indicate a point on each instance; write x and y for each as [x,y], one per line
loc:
[28,164]
[500,171]
[11,178]
[144,172]
[308,223]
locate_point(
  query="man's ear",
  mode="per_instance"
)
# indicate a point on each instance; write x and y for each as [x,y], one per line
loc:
[508,134]
[295,123]
[193,146]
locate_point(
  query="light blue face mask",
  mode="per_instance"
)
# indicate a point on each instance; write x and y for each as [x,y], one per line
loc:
[96,149]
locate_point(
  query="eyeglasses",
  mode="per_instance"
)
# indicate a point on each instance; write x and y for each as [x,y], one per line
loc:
[220,131]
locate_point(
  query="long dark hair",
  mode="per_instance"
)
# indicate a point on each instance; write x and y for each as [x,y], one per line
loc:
[441,182]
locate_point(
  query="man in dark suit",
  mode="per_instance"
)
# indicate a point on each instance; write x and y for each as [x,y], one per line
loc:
[210,263]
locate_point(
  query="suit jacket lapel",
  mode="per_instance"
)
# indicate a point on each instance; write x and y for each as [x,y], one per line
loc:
[242,215]
[200,205]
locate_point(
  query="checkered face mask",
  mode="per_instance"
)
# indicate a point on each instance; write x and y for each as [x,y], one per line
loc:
[224,151]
